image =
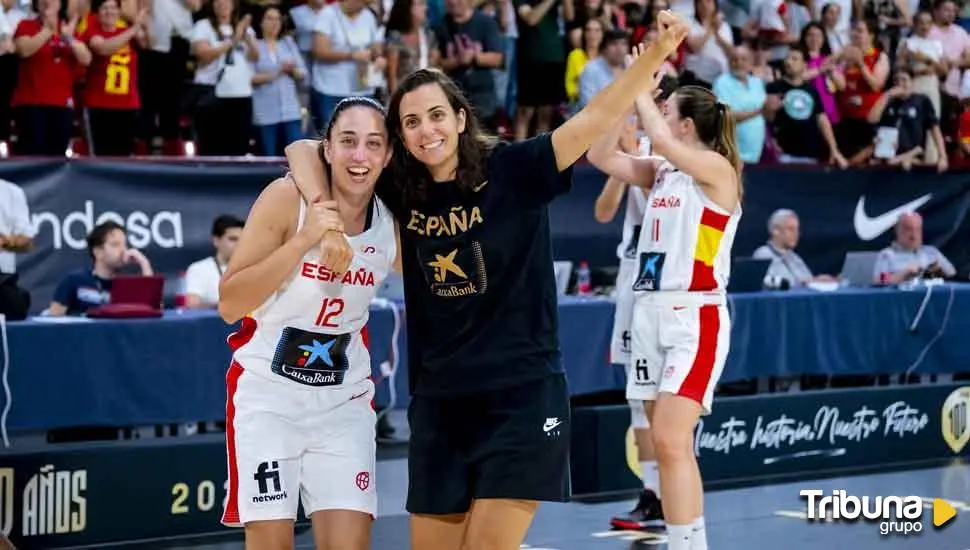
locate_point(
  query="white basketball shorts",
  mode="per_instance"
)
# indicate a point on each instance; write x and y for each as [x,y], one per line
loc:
[621,341]
[287,444]
[680,345]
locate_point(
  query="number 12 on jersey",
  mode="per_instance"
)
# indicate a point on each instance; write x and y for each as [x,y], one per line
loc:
[329,309]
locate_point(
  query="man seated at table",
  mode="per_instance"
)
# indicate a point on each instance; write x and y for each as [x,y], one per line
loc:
[786,264]
[907,257]
[16,231]
[202,277]
[91,286]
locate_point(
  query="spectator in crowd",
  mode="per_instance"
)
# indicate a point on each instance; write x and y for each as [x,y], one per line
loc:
[541,62]
[923,55]
[907,257]
[761,68]
[786,264]
[224,44]
[837,24]
[586,10]
[10,17]
[506,87]
[821,69]
[893,17]
[43,98]
[802,130]
[16,230]
[601,71]
[640,18]
[348,53]
[956,47]
[162,71]
[202,277]
[410,43]
[709,44]
[304,19]
[111,93]
[746,95]
[593,34]
[779,25]
[276,101]
[90,287]
[471,47]
[905,121]
[866,72]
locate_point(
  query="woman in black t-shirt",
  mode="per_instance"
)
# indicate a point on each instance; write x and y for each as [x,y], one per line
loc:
[489,414]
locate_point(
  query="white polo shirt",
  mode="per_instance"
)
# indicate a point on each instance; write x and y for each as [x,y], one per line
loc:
[14,220]
[202,279]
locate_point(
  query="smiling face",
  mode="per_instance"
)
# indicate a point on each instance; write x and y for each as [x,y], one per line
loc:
[430,127]
[356,149]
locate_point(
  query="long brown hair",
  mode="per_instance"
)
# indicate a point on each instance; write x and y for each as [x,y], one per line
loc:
[410,177]
[714,122]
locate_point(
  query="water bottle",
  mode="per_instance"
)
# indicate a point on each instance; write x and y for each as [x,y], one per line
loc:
[584,283]
[180,293]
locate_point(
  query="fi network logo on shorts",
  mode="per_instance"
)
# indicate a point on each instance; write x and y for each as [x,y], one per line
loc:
[895,515]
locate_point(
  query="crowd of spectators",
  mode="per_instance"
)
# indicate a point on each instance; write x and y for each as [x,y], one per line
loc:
[846,82]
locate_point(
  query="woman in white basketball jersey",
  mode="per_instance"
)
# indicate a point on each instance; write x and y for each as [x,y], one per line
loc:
[299,421]
[648,511]
[681,329]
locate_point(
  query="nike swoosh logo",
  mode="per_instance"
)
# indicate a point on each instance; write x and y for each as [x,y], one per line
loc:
[546,427]
[359,395]
[869,228]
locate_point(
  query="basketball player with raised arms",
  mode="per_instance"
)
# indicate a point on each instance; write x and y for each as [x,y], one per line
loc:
[299,420]
[648,511]
[680,328]
[489,414]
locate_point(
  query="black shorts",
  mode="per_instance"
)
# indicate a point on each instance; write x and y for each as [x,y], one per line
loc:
[511,443]
[540,83]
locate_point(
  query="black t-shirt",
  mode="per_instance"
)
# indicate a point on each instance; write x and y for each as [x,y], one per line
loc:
[914,116]
[796,123]
[482,309]
[478,83]
[82,290]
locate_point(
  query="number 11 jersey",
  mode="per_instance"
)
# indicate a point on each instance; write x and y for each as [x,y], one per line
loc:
[312,331]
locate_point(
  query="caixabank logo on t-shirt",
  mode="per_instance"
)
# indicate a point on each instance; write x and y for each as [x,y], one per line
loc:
[311,358]
[455,271]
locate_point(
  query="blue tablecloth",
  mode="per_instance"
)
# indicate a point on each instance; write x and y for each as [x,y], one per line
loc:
[142,372]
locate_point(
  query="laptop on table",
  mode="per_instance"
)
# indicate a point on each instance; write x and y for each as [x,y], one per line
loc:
[132,297]
[748,275]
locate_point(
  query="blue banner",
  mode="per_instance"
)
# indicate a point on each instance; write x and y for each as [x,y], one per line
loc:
[168,209]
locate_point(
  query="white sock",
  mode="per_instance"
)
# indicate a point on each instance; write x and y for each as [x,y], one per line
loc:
[698,536]
[678,536]
[651,476]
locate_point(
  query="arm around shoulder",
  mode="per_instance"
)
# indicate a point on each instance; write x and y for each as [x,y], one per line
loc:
[264,256]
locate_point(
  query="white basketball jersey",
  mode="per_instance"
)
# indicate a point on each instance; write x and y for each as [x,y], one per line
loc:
[311,331]
[636,204]
[685,243]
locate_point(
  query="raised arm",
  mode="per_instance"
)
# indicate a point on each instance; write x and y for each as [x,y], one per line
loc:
[575,137]
[308,172]
[269,250]
[608,156]
[710,169]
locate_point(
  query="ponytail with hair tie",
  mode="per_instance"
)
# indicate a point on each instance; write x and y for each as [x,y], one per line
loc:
[720,114]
